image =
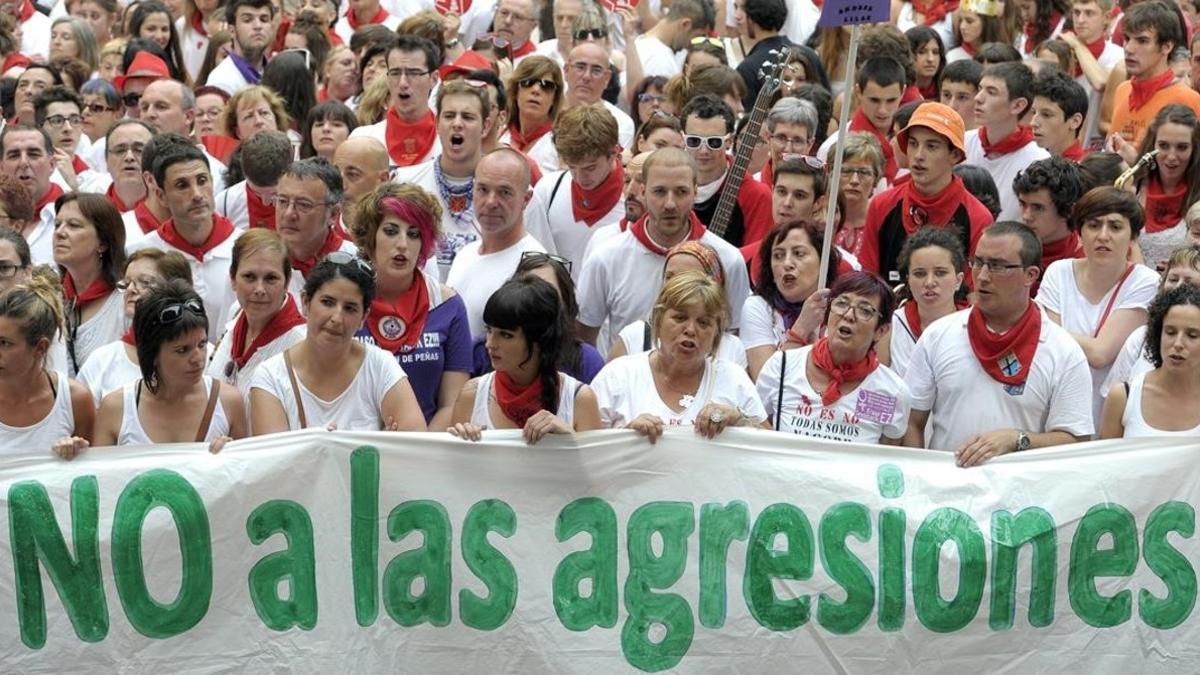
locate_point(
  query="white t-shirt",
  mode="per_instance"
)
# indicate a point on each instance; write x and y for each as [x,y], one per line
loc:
[475,276]
[657,58]
[227,77]
[634,335]
[1130,362]
[957,54]
[801,22]
[35,36]
[194,46]
[355,409]
[223,367]
[621,278]
[109,369]
[41,238]
[231,203]
[210,276]
[392,22]
[553,222]
[1004,168]
[625,130]
[625,389]
[542,152]
[103,327]
[944,28]
[902,342]
[946,379]
[455,233]
[761,324]
[878,407]
[40,436]
[1059,293]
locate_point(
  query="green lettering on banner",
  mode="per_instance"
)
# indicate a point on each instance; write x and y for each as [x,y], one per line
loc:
[846,569]
[36,539]
[364,532]
[674,523]
[1170,565]
[296,564]
[764,563]
[893,526]
[490,565]
[143,494]
[1031,526]
[719,525]
[430,562]
[939,527]
[597,564]
[1087,563]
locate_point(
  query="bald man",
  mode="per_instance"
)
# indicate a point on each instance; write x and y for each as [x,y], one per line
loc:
[587,76]
[363,163]
[622,275]
[501,192]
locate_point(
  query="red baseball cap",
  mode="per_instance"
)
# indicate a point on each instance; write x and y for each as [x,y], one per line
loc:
[465,64]
[144,65]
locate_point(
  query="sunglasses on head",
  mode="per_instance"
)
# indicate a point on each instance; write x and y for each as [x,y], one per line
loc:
[713,142]
[538,258]
[812,162]
[716,42]
[174,312]
[344,258]
[546,85]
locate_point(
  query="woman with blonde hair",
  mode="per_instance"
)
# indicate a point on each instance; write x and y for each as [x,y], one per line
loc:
[252,110]
[535,97]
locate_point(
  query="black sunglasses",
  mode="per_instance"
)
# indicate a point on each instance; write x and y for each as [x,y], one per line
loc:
[131,100]
[538,258]
[174,312]
[590,34]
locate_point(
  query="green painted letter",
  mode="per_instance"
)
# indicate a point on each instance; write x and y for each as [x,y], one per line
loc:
[430,562]
[296,564]
[1087,563]
[933,612]
[490,565]
[719,525]
[846,569]
[597,564]
[364,532]
[1009,534]
[764,563]
[673,522]
[1170,565]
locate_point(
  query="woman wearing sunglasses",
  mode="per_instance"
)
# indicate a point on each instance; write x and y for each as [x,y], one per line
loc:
[525,330]
[417,319]
[535,96]
[173,402]
[835,388]
[329,379]
[115,364]
[40,408]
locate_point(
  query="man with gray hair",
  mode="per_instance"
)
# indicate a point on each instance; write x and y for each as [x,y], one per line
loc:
[789,130]
[308,201]
[251,203]
[170,106]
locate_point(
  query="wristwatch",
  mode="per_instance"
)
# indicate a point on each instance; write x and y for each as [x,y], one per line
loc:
[1023,442]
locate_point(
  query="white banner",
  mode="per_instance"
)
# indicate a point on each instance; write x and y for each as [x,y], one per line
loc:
[319,552]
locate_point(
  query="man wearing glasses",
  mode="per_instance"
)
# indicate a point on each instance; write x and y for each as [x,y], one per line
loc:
[658,47]
[587,75]
[143,70]
[253,27]
[933,142]
[514,21]
[999,377]
[183,183]
[708,125]
[126,186]
[409,130]
[58,112]
[308,201]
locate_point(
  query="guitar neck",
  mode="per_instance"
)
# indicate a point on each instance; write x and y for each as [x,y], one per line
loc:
[741,161]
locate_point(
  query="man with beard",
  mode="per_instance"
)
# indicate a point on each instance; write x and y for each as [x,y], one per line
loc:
[587,75]
[464,115]
[253,27]
[409,130]
[28,154]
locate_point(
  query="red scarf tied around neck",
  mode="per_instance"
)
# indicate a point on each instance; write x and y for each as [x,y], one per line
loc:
[1006,358]
[287,318]
[518,403]
[918,210]
[222,229]
[1164,210]
[639,232]
[97,290]
[380,17]
[1010,143]
[1096,49]
[1031,28]
[51,196]
[841,373]
[333,242]
[523,142]
[1144,90]
[408,143]
[861,122]
[398,326]
[934,11]
[589,206]
[261,212]
[1067,247]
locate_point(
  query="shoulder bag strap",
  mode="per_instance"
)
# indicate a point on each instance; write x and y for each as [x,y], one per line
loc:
[1112,300]
[646,336]
[554,192]
[205,422]
[287,361]
[779,397]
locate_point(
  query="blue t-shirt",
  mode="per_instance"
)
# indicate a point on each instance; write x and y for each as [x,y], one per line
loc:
[590,362]
[445,345]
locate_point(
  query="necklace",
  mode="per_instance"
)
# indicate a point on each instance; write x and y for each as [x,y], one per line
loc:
[457,198]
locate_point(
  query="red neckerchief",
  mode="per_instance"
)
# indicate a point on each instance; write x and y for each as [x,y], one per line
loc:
[398,326]
[287,318]
[1164,211]
[818,3]
[1031,27]
[15,60]
[930,92]
[913,314]
[1010,143]
[145,219]
[97,290]
[918,210]
[934,11]
[768,173]
[525,49]
[838,374]
[523,143]
[79,165]
[322,95]
[129,338]
[1075,152]
[860,122]
[408,143]
[1067,247]
[333,242]
[516,402]
[219,146]
[335,40]
[458,7]
[1006,358]
[1096,48]
[222,229]
[1144,90]
[261,213]
[639,232]
[117,201]
[197,23]
[911,93]
[589,206]
[379,17]
[26,11]
[52,194]
[969,49]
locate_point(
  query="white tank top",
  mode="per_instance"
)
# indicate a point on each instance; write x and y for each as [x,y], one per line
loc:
[40,436]
[1135,423]
[567,389]
[132,432]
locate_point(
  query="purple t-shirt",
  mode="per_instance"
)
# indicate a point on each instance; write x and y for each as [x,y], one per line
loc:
[590,362]
[445,345]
